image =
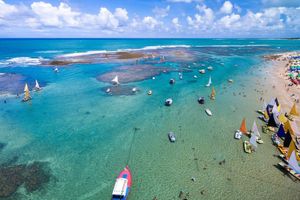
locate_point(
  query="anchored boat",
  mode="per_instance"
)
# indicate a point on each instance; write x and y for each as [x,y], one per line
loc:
[37,86]
[27,96]
[122,185]
[208,112]
[168,102]
[115,80]
[209,82]
[172,137]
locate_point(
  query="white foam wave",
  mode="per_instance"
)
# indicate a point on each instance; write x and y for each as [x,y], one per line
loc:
[77,54]
[25,61]
[49,51]
[234,45]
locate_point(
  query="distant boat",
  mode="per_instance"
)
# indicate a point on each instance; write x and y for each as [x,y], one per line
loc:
[208,112]
[134,90]
[108,90]
[172,81]
[37,86]
[201,100]
[230,81]
[213,94]
[149,92]
[209,82]
[27,96]
[122,185]
[255,131]
[115,80]
[247,147]
[210,68]
[172,137]
[56,70]
[168,102]
[202,71]
[195,76]
[243,130]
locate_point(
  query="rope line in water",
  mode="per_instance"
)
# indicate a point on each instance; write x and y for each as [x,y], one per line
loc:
[131,145]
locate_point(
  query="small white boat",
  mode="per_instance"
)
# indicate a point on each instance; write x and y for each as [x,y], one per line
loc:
[37,86]
[195,76]
[238,134]
[153,78]
[210,68]
[56,70]
[230,81]
[208,112]
[209,82]
[172,137]
[108,90]
[115,80]
[168,102]
[202,71]
[134,90]
[149,92]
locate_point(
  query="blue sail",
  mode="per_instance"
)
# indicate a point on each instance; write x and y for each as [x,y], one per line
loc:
[280,131]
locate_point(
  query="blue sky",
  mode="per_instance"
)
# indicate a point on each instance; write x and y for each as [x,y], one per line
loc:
[153,18]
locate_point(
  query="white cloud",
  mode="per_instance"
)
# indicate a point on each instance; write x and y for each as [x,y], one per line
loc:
[150,22]
[121,14]
[285,3]
[161,12]
[202,20]
[227,7]
[229,20]
[176,24]
[7,9]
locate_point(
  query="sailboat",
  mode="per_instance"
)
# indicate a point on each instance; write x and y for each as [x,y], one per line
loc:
[213,94]
[292,167]
[209,82]
[243,130]
[37,86]
[255,132]
[115,80]
[27,96]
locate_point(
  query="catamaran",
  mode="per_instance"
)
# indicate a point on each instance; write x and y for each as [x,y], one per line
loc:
[209,82]
[115,80]
[122,185]
[37,86]
[27,96]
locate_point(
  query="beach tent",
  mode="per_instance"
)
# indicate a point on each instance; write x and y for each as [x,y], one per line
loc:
[282,119]
[287,139]
[281,132]
[294,110]
[273,121]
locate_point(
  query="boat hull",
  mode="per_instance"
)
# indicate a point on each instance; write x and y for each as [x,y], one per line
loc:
[126,174]
[247,147]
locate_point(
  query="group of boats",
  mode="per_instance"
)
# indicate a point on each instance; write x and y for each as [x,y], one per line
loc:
[27,96]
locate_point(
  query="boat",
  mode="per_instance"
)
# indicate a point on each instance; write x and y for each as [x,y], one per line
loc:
[210,68]
[153,78]
[275,139]
[172,137]
[243,127]
[108,90]
[115,80]
[149,92]
[209,82]
[56,70]
[37,86]
[168,102]
[134,90]
[172,81]
[213,94]
[294,110]
[208,112]
[282,149]
[195,76]
[255,131]
[201,100]
[247,147]
[238,134]
[202,71]
[230,81]
[289,170]
[122,185]
[27,96]
[180,77]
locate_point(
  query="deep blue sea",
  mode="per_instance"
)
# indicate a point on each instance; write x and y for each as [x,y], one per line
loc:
[85,137]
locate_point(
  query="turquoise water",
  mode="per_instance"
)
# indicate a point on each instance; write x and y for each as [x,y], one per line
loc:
[87,137]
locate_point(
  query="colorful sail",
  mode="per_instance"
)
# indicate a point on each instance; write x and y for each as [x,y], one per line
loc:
[26,93]
[209,82]
[294,110]
[243,128]
[253,141]
[287,139]
[293,163]
[281,132]
[282,119]
[213,94]
[272,121]
[255,129]
[266,116]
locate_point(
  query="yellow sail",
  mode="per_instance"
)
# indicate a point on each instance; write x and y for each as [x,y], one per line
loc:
[27,93]
[294,110]
[266,116]
[213,94]
[292,148]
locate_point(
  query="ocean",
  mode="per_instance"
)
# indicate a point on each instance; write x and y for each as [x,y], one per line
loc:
[84,137]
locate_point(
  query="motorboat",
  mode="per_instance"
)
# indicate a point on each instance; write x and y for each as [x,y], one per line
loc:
[238,134]
[208,112]
[210,68]
[230,81]
[168,102]
[108,90]
[201,100]
[122,185]
[56,70]
[172,81]
[149,92]
[172,137]
[195,76]
[134,90]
